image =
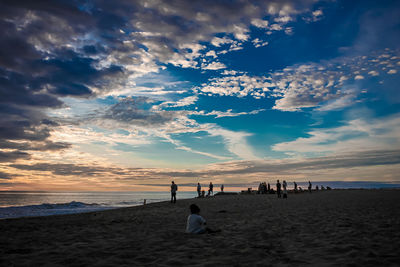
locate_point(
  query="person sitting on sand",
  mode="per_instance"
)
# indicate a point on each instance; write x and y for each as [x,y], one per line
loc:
[196,224]
[198,189]
[174,188]
[284,184]
[278,188]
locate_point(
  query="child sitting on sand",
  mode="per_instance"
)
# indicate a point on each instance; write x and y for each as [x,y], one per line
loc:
[197,224]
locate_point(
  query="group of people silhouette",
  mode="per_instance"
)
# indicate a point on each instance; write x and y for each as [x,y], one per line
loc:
[200,193]
[282,188]
[263,188]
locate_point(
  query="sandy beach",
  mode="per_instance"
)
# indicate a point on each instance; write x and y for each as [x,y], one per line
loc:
[329,228]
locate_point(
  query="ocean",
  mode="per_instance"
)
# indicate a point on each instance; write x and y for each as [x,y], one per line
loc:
[22,204]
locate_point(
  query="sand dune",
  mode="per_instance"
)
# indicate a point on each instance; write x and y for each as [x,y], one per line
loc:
[330,228]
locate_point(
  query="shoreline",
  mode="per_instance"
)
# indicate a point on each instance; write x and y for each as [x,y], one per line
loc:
[336,227]
[106,207]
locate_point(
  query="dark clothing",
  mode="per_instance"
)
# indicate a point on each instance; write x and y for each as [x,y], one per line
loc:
[174,188]
[278,189]
[199,190]
[173,197]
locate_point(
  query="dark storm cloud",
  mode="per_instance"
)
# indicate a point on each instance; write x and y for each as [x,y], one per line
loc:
[37,66]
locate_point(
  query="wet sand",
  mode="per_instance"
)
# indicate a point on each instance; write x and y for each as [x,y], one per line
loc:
[329,228]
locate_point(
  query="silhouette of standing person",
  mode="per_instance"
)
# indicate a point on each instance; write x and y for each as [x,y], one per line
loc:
[211,189]
[278,188]
[222,188]
[174,188]
[295,187]
[309,186]
[269,188]
[198,189]
[284,184]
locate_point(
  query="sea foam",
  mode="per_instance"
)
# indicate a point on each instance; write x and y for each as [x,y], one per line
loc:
[47,209]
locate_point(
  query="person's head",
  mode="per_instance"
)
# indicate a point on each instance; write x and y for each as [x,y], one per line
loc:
[194,209]
[277,181]
[173,182]
[198,183]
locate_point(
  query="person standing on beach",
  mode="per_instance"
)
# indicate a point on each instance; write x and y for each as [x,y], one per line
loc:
[284,184]
[309,186]
[174,188]
[278,188]
[295,187]
[211,189]
[222,188]
[199,189]
[269,188]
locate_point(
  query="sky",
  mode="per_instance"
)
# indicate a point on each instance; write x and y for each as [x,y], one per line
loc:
[129,95]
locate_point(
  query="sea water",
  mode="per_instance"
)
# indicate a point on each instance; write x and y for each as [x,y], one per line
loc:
[22,204]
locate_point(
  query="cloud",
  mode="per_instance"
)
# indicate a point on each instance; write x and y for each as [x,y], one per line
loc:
[228,113]
[72,49]
[259,43]
[259,23]
[213,66]
[183,102]
[373,73]
[138,111]
[323,86]
[12,156]
[382,164]
[238,85]
[358,134]
[5,176]
[326,85]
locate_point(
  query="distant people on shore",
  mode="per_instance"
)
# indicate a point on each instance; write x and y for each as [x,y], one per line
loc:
[210,189]
[309,186]
[174,188]
[198,189]
[262,188]
[196,224]
[284,184]
[316,188]
[222,188]
[278,188]
[295,187]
